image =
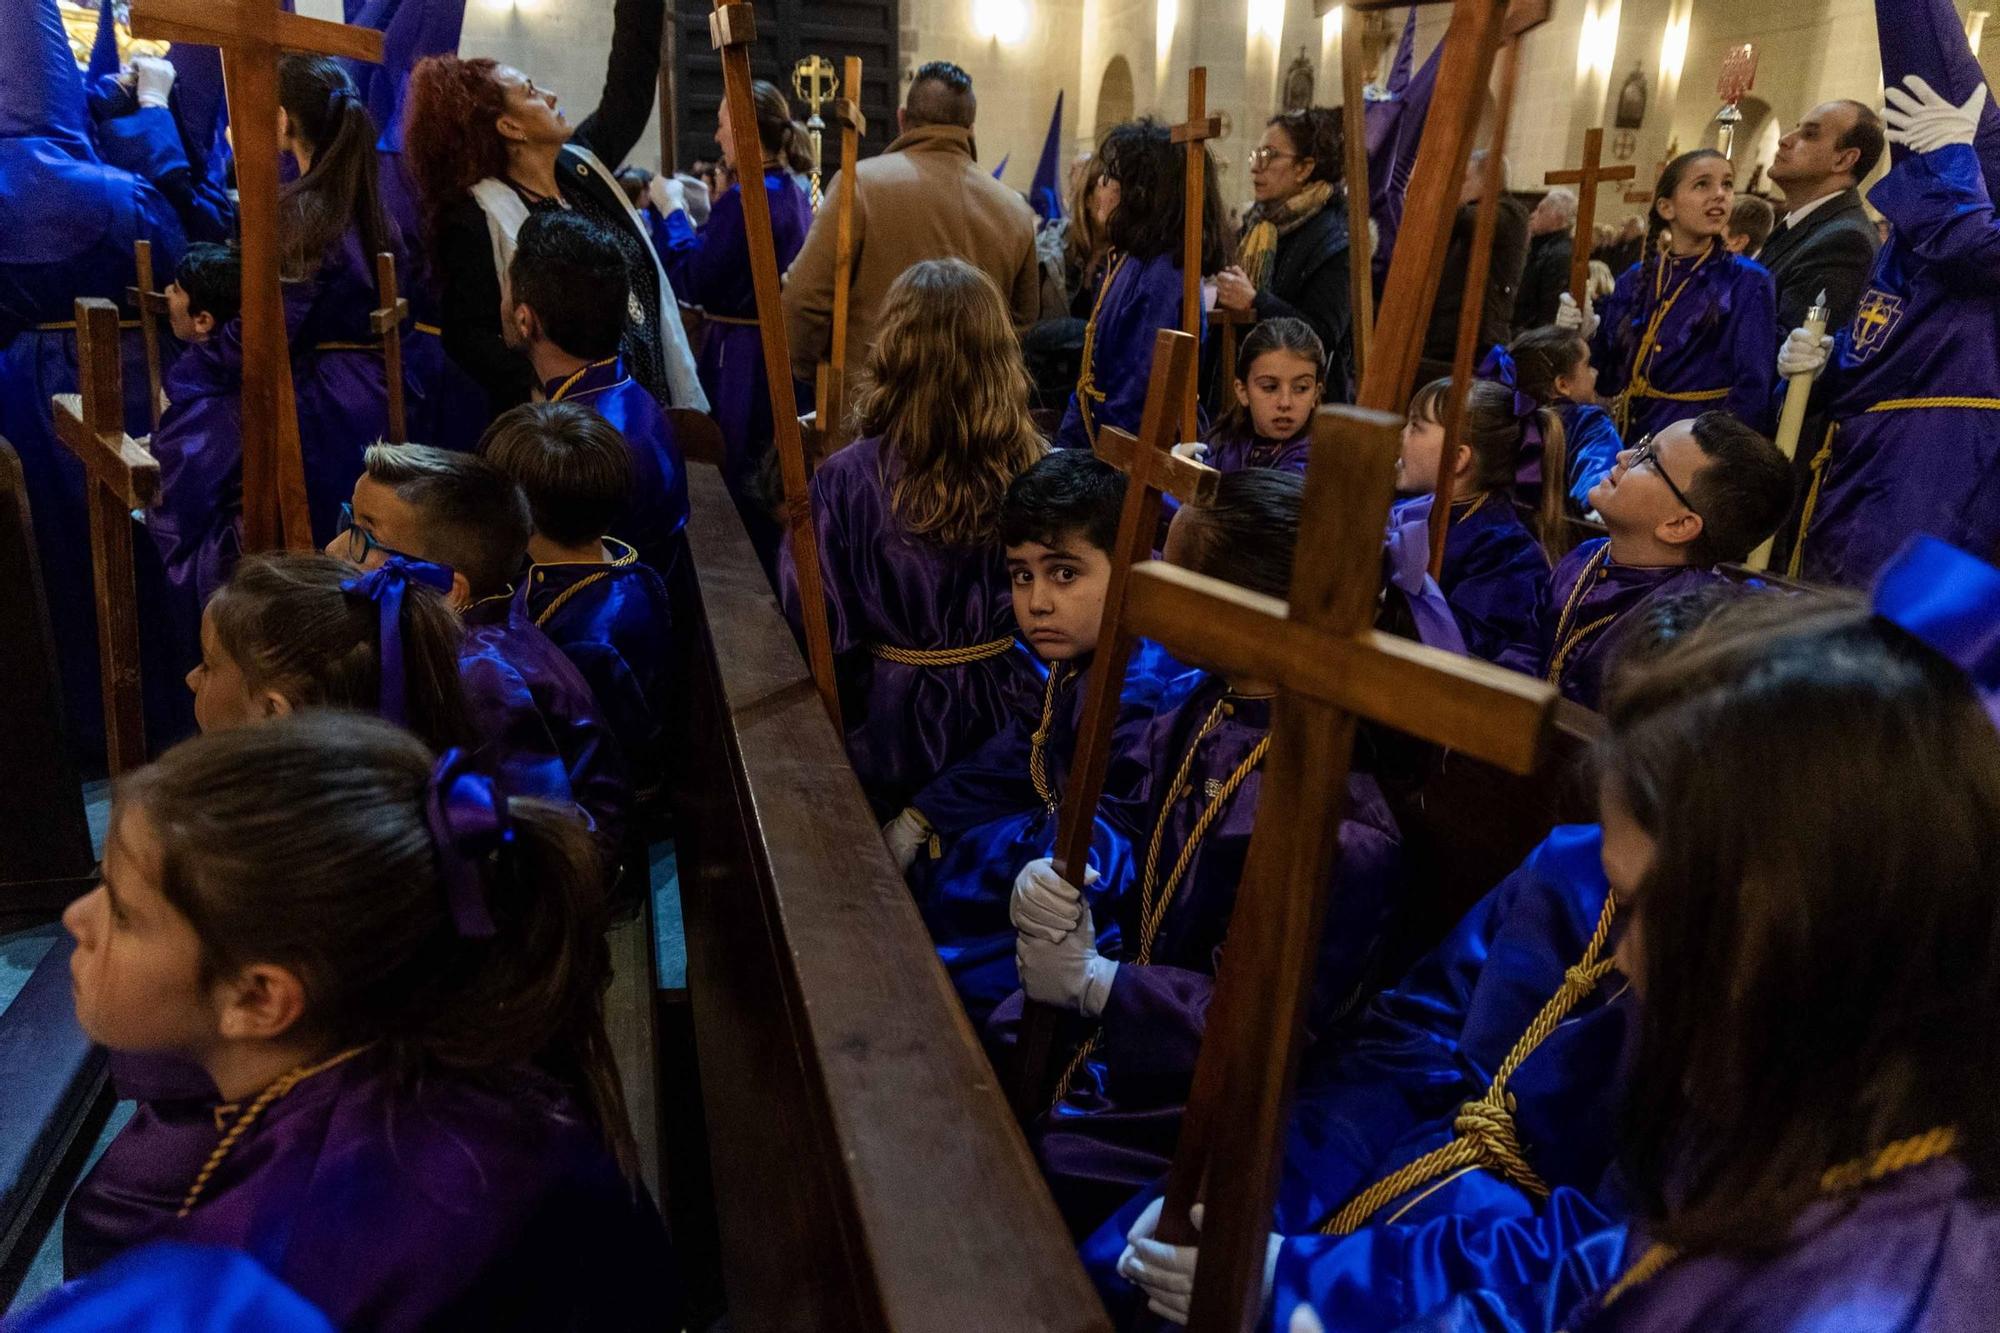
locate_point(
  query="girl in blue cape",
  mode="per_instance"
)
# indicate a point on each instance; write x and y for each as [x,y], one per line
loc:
[1552,366]
[1690,323]
[392,974]
[1140,201]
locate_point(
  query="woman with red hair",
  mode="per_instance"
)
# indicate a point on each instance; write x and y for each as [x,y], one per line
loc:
[487,147]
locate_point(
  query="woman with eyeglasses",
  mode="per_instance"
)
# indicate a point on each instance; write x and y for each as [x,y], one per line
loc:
[1291,260]
[487,147]
[1141,201]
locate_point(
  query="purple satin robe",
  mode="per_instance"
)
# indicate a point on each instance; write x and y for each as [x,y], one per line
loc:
[1718,335]
[613,622]
[1236,452]
[658,510]
[1597,623]
[539,728]
[1141,297]
[1116,1127]
[710,268]
[887,586]
[1496,581]
[196,520]
[398,1205]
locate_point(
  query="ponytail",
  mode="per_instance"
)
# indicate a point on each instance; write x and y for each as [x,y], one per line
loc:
[341,190]
[1552,511]
[423,911]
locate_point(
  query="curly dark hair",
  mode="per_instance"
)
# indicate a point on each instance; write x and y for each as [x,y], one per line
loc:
[450,140]
[1151,174]
[1316,133]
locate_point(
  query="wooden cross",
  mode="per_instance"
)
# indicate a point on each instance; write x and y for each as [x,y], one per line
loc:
[1152,468]
[1360,245]
[387,324]
[119,477]
[1194,135]
[152,307]
[1230,322]
[1646,196]
[732,27]
[1587,178]
[253,35]
[845,112]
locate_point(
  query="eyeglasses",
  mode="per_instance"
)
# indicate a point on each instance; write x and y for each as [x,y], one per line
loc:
[360,541]
[1264,157]
[1644,453]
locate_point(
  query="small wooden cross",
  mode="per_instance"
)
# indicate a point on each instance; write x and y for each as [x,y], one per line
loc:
[1193,136]
[119,477]
[1152,468]
[152,307]
[387,324]
[254,35]
[845,112]
[732,28]
[1587,178]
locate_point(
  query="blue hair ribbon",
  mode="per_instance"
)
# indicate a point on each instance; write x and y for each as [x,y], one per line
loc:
[469,826]
[385,586]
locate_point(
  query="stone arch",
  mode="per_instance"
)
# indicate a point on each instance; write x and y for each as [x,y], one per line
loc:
[1115,97]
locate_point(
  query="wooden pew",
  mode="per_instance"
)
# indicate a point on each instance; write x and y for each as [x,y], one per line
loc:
[867,1173]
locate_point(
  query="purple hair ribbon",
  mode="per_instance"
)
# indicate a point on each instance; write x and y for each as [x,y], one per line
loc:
[1406,555]
[385,587]
[469,826]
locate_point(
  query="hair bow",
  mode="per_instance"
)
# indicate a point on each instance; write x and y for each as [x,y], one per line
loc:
[385,586]
[468,820]
[1500,368]
[1950,602]
[1406,553]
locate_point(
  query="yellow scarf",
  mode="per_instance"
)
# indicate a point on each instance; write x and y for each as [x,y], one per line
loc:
[1257,252]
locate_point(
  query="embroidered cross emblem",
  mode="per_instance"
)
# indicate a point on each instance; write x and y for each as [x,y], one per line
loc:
[1874,321]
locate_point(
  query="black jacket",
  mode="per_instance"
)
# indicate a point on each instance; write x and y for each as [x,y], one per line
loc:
[1503,280]
[1543,281]
[1832,250]
[1309,282]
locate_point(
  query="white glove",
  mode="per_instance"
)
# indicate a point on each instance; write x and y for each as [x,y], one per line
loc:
[1924,120]
[905,834]
[1192,450]
[1803,354]
[1568,317]
[1166,1272]
[1070,972]
[1045,905]
[154,79]
[1305,1321]
[696,193]
[666,194]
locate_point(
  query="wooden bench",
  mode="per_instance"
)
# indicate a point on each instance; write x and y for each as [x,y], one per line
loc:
[867,1173]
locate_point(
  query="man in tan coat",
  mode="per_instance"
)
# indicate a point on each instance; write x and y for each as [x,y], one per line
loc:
[927,197]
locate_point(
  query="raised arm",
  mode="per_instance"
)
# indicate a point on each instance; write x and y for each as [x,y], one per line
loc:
[630,75]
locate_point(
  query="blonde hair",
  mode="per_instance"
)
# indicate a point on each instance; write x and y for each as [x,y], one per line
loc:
[947,394]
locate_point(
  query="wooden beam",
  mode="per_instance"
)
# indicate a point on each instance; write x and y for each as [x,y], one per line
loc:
[845,112]
[152,307]
[1186,480]
[387,324]
[1193,136]
[1360,242]
[1587,176]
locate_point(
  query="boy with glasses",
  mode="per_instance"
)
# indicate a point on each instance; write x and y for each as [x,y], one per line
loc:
[1700,493]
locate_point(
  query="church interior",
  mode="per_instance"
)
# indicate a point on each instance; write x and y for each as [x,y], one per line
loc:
[1231,664]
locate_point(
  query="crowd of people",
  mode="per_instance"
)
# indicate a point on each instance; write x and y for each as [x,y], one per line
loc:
[1713,1061]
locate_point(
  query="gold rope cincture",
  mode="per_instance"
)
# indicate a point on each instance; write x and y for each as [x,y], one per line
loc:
[1901,1155]
[1038,767]
[278,1088]
[1825,455]
[1565,646]
[570,383]
[1638,386]
[573,589]
[942,657]
[1484,1134]
[1087,391]
[1152,906]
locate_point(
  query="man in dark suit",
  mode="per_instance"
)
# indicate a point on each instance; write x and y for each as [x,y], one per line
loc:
[1550,246]
[1824,241]
[1503,279]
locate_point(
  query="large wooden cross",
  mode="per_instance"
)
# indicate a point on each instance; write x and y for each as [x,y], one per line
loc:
[1152,468]
[387,324]
[119,477]
[1586,178]
[253,35]
[845,112]
[732,27]
[1194,135]
[152,307]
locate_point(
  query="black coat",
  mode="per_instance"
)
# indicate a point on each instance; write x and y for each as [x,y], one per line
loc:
[1833,250]
[1503,280]
[1543,281]
[1309,282]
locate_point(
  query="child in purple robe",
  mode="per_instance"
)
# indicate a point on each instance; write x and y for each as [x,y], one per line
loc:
[907,516]
[1140,202]
[710,268]
[962,837]
[1552,366]
[589,592]
[1801,812]
[1698,494]
[1140,1014]
[1280,376]
[1690,322]
[1495,576]
[392,973]
[194,517]
[567,286]
[539,729]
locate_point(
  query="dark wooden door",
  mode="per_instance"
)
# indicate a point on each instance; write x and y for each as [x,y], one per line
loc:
[787,31]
